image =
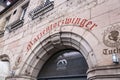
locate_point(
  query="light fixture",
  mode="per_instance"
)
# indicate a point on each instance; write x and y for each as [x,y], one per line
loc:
[8,3]
[115,58]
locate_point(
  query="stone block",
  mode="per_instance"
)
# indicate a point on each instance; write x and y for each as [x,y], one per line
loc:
[100,1]
[91,39]
[113,4]
[12,39]
[1,51]
[76,37]
[66,28]
[89,1]
[2,39]
[105,7]
[75,44]
[101,21]
[99,9]
[91,59]
[58,2]
[83,13]
[55,39]
[1,44]
[85,44]
[91,5]
[78,30]
[114,16]
[13,44]
[25,39]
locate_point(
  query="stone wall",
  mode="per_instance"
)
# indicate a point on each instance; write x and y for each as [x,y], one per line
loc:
[105,13]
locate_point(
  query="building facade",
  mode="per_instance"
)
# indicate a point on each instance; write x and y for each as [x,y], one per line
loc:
[60,40]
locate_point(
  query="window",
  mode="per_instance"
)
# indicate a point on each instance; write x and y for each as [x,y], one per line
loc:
[3,23]
[46,2]
[19,21]
[7,20]
[42,9]
[6,23]
[8,3]
[65,65]
[4,66]
[24,8]
[14,12]
[23,13]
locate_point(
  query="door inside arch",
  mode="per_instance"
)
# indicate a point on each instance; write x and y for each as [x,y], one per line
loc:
[64,65]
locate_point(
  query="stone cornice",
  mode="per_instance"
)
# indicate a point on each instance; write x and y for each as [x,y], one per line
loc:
[100,72]
[15,25]
[41,10]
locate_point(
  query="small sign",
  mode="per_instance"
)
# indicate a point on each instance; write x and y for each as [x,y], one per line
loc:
[62,64]
[111,36]
[111,39]
[111,51]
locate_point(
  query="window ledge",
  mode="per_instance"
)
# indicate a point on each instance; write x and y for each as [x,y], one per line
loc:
[15,25]
[41,10]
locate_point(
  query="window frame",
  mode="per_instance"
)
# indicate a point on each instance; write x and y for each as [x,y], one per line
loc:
[24,9]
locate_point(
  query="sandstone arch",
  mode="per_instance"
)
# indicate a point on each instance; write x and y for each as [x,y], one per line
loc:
[65,37]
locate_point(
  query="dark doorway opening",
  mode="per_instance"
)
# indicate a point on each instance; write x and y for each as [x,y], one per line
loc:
[65,65]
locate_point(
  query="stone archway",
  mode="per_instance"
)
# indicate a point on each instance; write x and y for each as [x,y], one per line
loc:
[54,42]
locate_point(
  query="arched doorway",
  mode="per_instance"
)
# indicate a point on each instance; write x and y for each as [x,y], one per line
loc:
[64,65]
[51,44]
